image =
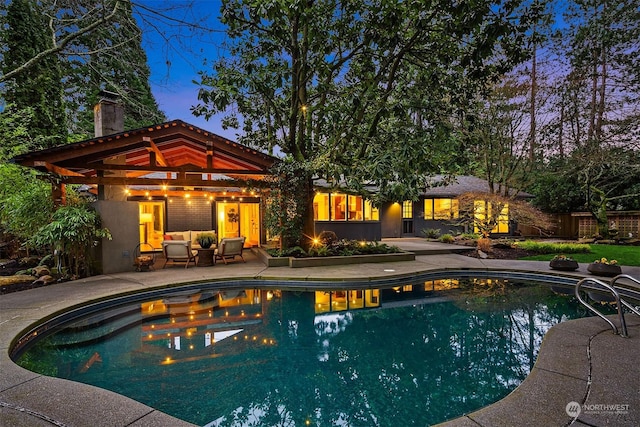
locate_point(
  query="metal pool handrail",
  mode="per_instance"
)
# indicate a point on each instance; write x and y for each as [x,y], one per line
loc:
[616,295]
[625,303]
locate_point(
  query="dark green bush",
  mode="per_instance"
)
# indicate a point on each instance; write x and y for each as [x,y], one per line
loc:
[431,233]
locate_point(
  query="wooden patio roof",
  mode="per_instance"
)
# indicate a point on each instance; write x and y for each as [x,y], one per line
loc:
[171,154]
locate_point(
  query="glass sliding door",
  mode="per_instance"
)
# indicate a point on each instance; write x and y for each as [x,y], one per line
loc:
[239,219]
[250,223]
[151,220]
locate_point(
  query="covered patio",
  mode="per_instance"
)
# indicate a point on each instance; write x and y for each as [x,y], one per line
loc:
[169,177]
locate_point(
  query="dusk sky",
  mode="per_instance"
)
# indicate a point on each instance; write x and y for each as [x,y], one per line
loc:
[176,57]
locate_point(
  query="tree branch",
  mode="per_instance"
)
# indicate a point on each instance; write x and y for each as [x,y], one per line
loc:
[61,44]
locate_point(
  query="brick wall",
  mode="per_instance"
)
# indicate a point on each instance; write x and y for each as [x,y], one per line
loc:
[190,214]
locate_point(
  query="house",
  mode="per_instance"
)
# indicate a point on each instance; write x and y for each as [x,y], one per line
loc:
[171,176]
[177,177]
[353,217]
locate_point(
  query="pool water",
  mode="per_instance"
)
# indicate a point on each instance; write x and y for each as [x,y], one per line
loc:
[407,355]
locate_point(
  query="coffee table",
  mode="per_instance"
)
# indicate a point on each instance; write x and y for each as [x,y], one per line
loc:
[205,257]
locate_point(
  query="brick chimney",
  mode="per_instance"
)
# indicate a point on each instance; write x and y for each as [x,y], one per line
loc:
[108,114]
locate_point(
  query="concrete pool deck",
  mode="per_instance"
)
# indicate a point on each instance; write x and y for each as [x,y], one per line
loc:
[580,361]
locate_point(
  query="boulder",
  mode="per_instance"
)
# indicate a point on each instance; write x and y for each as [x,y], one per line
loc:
[41,270]
[44,280]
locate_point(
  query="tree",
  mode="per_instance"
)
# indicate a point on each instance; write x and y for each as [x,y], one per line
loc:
[601,44]
[484,211]
[92,46]
[355,92]
[497,132]
[38,87]
[71,234]
[109,57]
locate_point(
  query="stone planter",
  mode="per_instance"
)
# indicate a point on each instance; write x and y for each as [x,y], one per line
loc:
[563,264]
[606,270]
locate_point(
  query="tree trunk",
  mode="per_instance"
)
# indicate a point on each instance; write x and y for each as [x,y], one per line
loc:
[534,88]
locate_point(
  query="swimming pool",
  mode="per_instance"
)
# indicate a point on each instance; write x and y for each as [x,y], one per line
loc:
[405,354]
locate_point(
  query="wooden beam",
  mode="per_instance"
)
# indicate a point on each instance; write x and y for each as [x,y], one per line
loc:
[209,154]
[169,169]
[54,169]
[188,181]
[94,147]
[155,155]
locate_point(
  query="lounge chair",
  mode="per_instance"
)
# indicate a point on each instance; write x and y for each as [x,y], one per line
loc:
[230,248]
[178,250]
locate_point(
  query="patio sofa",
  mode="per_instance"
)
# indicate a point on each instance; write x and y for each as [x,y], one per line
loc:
[191,235]
[230,247]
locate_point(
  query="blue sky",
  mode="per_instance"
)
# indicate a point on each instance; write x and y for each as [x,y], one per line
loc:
[176,56]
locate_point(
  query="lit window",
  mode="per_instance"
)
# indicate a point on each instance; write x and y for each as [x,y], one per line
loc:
[481,212]
[371,213]
[428,209]
[440,209]
[321,207]
[407,209]
[445,208]
[338,207]
[355,208]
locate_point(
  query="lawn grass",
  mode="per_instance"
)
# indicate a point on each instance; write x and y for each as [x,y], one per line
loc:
[625,255]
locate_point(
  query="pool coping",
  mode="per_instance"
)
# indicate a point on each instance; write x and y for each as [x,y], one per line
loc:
[562,373]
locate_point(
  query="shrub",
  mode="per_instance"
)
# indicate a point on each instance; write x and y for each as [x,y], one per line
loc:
[468,236]
[447,238]
[484,244]
[296,252]
[71,234]
[327,238]
[338,248]
[431,233]
[552,248]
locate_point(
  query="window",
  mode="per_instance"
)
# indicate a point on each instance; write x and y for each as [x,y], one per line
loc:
[483,209]
[371,213]
[355,208]
[321,207]
[407,209]
[440,209]
[342,207]
[338,207]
